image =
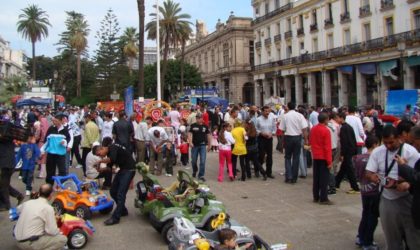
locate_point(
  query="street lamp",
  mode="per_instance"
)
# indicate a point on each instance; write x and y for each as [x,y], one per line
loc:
[55,76]
[401,48]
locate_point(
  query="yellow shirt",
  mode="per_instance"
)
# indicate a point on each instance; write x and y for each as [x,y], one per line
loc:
[238,134]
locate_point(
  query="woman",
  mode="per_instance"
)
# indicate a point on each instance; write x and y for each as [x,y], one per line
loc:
[239,149]
[252,150]
[225,151]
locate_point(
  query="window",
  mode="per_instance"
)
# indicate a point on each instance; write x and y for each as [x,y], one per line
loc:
[330,14]
[389,25]
[257,10]
[279,53]
[302,46]
[289,51]
[251,52]
[416,15]
[206,62]
[345,6]
[330,41]
[366,30]
[289,24]
[226,54]
[268,32]
[277,4]
[278,28]
[314,17]
[267,8]
[315,45]
[365,2]
[347,37]
[300,21]
[212,60]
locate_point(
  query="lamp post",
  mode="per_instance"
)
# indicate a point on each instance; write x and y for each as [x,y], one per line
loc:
[159,94]
[401,48]
[55,76]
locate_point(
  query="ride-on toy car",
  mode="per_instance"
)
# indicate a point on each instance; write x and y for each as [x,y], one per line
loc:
[75,228]
[187,236]
[80,198]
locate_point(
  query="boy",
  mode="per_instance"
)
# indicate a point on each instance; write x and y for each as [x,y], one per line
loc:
[227,239]
[29,154]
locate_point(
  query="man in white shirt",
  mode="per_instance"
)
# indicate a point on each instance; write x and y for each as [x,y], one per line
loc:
[77,137]
[141,137]
[294,127]
[396,201]
[36,227]
[107,127]
[356,124]
[158,139]
[266,129]
[313,117]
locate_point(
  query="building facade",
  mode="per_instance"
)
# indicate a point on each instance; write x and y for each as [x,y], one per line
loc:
[12,62]
[335,52]
[150,57]
[224,58]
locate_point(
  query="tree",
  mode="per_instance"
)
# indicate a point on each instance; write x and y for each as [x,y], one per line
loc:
[108,54]
[170,24]
[12,86]
[183,36]
[78,41]
[33,25]
[140,6]
[129,39]
[64,42]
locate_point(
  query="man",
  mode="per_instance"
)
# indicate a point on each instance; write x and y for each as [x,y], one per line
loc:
[266,129]
[141,137]
[123,131]
[90,135]
[121,157]
[335,144]
[294,126]
[348,149]
[358,130]
[396,202]
[175,117]
[57,139]
[36,227]
[94,169]
[98,120]
[320,141]
[77,137]
[199,137]
[192,116]
[313,116]
[158,146]
[216,118]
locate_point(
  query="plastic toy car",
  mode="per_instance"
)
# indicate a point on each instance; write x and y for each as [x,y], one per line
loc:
[187,236]
[75,228]
[80,198]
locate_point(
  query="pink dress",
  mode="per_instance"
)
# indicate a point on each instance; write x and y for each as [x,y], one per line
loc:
[214,141]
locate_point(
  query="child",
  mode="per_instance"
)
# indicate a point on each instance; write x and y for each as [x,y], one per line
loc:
[29,154]
[183,149]
[225,151]
[370,198]
[214,141]
[227,239]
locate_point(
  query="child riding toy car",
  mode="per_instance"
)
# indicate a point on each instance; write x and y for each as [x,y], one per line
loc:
[80,198]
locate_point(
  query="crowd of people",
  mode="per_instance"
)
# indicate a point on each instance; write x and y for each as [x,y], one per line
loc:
[380,162]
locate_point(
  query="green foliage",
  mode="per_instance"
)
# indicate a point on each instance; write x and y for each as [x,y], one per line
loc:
[81,101]
[12,86]
[45,67]
[33,23]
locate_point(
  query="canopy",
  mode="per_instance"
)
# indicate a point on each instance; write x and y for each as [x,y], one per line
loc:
[214,101]
[33,102]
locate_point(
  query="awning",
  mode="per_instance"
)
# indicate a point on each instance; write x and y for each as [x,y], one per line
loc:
[367,68]
[348,69]
[387,67]
[413,61]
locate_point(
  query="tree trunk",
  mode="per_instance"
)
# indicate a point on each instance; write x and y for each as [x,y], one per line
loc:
[182,65]
[79,76]
[130,66]
[140,5]
[33,62]
[164,66]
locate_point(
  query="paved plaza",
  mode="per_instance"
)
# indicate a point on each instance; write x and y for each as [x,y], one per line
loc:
[278,212]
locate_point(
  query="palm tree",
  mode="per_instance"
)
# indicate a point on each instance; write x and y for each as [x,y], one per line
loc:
[183,36]
[170,23]
[129,39]
[33,24]
[78,41]
[140,6]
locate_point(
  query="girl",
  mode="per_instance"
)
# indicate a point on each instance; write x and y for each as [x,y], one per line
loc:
[214,142]
[252,150]
[239,149]
[225,151]
[183,149]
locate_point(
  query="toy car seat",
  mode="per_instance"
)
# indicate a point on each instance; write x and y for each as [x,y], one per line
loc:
[70,185]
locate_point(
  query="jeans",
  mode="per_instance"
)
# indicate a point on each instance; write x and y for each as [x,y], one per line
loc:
[119,191]
[293,145]
[6,189]
[265,147]
[347,169]
[245,172]
[253,156]
[336,159]
[85,152]
[184,159]
[53,162]
[195,151]
[303,162]
[369,221]
[225,156]
[27,178]
[320,176]
[75,149]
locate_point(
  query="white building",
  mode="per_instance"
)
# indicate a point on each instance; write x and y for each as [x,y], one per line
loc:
[335,52]
[12,62]
[150,57]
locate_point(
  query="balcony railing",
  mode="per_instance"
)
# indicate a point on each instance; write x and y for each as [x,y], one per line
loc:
[364,11]
[258,45]
[328,23]
[273,13]
[288,34]
[345,17]
[277,38]
[387,5]
[267,41]
[313,27]
[391,41]
[300,32]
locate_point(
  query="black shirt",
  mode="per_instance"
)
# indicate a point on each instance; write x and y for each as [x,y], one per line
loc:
[120,156]
[199,134]
[123,130]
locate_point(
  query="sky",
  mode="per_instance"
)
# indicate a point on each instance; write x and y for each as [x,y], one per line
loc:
[208,11]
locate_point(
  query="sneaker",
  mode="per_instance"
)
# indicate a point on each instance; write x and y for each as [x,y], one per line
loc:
[79,166]
[358,242]
[20,177]
[202,179]
[28,192]
[168,175]
[371,247]
[327,202]
[332,192]
[352,191]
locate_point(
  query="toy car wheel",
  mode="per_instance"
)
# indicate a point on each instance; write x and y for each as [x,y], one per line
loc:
[58,207]
[77,239]
[106,210]
[168,232]
[82,211]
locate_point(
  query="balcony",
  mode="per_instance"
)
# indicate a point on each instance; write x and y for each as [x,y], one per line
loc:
[387,5]
[364,11]
[300,32]
[273,13]
[328,23]
[345,17]
[375,43]
[313,27]
[258,45]
[288,34]
[267,42]
[277,38]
